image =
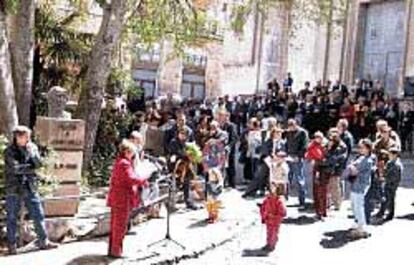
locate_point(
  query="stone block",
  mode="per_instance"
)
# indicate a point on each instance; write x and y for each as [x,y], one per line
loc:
[67,189]
[68,167]
[64,207]
[60,134]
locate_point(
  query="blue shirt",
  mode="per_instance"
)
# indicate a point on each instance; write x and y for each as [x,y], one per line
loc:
[364,166]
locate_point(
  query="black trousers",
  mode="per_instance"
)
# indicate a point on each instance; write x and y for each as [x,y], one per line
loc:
[247,169]
[260,180]
[231,171]
[186,189]
[388,204]
[407,141]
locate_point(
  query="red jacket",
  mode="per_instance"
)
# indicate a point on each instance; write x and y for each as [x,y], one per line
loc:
[123,190]
[272,210]
[315,151]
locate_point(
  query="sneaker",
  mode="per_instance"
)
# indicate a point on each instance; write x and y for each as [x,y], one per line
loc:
[47,245]
[12,250]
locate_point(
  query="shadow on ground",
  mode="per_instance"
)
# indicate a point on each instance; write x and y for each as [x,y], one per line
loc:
[301,220]
[337,239]
[91,260]
[199,224]
[254,253]
[409,217]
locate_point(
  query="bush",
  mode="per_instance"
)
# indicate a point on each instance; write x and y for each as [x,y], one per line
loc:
[113,127]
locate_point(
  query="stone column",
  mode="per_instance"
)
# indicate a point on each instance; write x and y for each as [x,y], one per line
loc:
[170,71]
[351,44]
[275,44]
[214,68]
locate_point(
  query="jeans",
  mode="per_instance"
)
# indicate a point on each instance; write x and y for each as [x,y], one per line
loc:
[296,176]
[388,204]
[32,202]
[358,208]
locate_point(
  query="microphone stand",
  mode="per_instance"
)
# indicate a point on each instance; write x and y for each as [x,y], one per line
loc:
[168,239]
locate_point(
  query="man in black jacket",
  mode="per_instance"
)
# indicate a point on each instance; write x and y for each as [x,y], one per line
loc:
[223,117]
[21,159]
[406,128]
[296,142]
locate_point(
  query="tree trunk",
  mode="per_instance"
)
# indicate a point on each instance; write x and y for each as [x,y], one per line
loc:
[8,111]
[99,67]
[21,27]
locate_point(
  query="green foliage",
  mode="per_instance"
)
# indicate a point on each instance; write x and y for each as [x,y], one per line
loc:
[9,5]
[113,126]
[301,11]
[48,182]
[176,21]
[193,150]
[121,81]
[61,52]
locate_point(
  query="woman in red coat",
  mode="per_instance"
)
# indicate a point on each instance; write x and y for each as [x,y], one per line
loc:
[123,196]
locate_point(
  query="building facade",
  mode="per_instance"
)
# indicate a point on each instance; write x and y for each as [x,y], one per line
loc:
[375,41]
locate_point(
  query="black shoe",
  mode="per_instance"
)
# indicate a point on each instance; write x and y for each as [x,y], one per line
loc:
[267,249]
[12,250]
[114,256]
[192,207]
[247,196]
[388,218]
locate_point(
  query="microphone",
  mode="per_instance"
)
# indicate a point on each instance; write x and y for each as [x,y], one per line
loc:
[155,159]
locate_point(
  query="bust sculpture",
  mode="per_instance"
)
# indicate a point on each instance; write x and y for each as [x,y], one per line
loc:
[57,98]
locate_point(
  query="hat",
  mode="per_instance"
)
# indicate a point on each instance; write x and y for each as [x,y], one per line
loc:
[21,129]
[394,150]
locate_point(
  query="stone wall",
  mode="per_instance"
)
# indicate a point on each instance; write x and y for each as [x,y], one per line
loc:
[214,69]
[409,66]
[170,71]
[275,45]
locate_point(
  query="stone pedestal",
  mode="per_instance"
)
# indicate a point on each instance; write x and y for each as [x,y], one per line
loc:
[66,138]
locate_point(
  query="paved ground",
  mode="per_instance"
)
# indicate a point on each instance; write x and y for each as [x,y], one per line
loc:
[301,240]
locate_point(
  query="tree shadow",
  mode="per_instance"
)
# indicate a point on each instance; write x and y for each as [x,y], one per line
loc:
[409,217]
[301,220]
[91,260]
[338,239]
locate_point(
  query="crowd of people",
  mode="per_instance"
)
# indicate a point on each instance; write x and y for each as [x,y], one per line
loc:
[330,134]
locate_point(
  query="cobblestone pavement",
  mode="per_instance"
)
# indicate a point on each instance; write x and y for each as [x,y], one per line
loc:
[302,240]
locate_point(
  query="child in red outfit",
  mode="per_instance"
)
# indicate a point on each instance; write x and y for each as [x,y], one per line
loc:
[316,154]
[272,212]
